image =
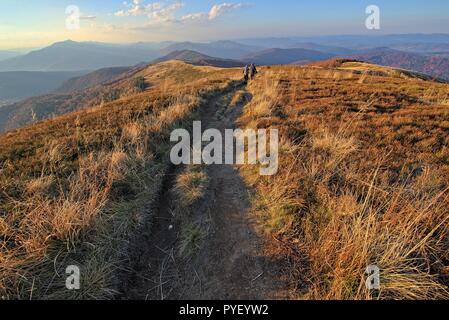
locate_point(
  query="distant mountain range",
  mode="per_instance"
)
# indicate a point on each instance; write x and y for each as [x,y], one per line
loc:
[354,42]
[323,48]
[422,47]
[71,55]
[264,57]
[74,56]
[435,66]
[286,56]
[220,49]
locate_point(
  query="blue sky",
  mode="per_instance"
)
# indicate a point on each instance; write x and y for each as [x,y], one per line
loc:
[25,23]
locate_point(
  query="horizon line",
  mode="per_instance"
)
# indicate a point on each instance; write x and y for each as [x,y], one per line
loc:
[27,50]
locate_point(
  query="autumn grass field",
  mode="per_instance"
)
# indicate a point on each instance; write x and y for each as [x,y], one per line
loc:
[75,188]
[363,179]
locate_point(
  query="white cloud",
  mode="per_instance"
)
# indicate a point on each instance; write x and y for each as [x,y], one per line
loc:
[157,12]
[134,9]
[215,12]
[87,17]
[220,9]
[165,11]
[195,17]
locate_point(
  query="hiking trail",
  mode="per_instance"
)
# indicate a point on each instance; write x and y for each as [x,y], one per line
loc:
[232,262]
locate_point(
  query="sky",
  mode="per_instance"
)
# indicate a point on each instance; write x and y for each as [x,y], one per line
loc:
[38,23]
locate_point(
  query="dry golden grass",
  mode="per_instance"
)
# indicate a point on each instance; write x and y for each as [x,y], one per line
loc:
[189,190]
[191,186]
[363,180]
[75,188]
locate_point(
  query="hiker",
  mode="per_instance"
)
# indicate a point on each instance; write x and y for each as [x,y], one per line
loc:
[252,71]
[246,73]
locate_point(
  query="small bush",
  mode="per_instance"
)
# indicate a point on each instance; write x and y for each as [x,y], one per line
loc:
[140,84]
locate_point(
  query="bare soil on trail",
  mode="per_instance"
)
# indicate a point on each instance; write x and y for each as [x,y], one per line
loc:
[233,261]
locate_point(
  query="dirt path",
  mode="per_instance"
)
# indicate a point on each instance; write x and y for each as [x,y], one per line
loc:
[231,263]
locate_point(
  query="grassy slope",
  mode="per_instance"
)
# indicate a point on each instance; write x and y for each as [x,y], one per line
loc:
[363,179]
[76,187]
[40,108]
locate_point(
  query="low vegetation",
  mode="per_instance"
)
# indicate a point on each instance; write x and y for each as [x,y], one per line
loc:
[190,189]
[74,189]
[140,84]
[363,180]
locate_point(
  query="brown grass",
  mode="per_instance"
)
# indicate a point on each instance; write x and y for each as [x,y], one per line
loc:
[74,189]
[190,189]
[357,185]
[191,186]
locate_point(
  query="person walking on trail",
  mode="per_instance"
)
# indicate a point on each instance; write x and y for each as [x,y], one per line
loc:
[252,71]
[246,73]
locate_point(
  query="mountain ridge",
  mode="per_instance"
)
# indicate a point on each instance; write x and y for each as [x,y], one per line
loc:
[431,65]
[199,59]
